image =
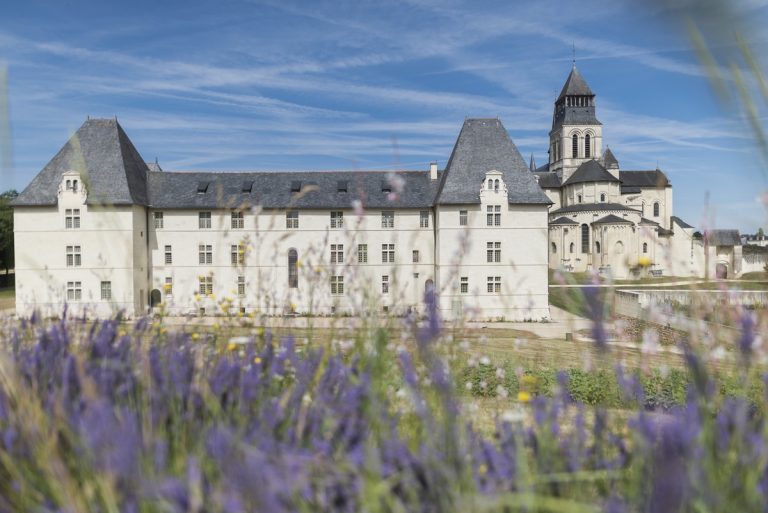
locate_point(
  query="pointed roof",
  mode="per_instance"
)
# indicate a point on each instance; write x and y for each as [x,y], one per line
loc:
[575,85]
[532,165]
[484,145]
[609,160]
[110,167]
[563,220]
[590,171]
[612,219]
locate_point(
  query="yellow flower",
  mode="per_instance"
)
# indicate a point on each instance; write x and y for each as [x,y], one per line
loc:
[644,262]
[528,379]
[523,396]
[212,296]
[197,297]
[216,325]
[482,469]
[257,360]
[195,336]
[231,346]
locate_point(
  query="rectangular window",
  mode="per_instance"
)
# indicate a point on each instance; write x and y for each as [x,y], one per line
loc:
[385,284]
[337,253]
[494,284]
[106,290]
[241,286]
[388,219]
[292,219]
[204,220]
[424,219]
[388,253]
[168,286]
[337,285]
[238,221]
[493,215]
[237,254]
[415,256]
[464,284]
[493,252]
[168,255]
[205,253]
[72,218]
[74,291]
[158,220]
[73,256]
[206,285]
[362,253]
[462,218]
[337,219]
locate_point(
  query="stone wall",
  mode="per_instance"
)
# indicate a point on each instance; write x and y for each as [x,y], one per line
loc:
[636,327]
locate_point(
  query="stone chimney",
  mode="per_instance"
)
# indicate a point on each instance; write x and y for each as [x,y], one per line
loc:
[433,171]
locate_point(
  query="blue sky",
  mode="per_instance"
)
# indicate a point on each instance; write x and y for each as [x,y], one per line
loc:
[251,85]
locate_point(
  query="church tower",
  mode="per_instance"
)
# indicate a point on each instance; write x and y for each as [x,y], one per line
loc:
[576,135]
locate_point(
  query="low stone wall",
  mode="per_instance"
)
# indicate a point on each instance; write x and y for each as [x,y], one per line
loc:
[637,303]
[634,328]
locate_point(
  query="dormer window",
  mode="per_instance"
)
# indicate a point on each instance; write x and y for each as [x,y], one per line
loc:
[386,187]
[202,187]
[495,185]
[341,186]
[69,185]
[295,186]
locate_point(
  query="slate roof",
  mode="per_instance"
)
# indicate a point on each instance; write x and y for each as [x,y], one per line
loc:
[609,159]
[680,222]
[550,180]
[653,178]
[630,189]
[596,207]
[723,237]
[612,219]
[664,232]
[316,189]
[484,145]
[590,171]
[575,85]
[563,220]
[644,220]
[111,169]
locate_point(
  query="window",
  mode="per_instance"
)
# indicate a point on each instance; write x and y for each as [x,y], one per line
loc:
[493,252]
[158,216]
[168,255]
[571,248]
[602,197]
[587,146]
[72,218]
[206,285]
[74,291]
[337,253]
[388,219]
[204,220]
[493,215]
[645,247]
[69,185]
[597,246]
[73,256]
[424,219]
[388,253]
[496,185]
[237,254]
[293,271]
[578,198]
[494,284]
[74,185]
[574,146]
[106,290]
[238,221]
[337,219]
[241,286]
[656,209]
[337,285]
[415,256]
[168,286]
[292,219]
[464,284]
[462,218]
[554,248]
[584,238]
[205,253]
[385,284]
[362,253]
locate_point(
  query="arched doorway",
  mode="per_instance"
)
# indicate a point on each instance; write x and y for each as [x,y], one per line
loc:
[721,271]
[154,298]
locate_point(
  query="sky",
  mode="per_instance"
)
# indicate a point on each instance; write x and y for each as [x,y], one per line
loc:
[232,85]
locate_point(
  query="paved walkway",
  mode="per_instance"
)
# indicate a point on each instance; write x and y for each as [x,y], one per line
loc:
[649,285]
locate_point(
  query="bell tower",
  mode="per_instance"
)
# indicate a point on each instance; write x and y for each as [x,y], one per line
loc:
[576,135]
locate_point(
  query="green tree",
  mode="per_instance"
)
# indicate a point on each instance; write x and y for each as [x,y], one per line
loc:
[6,229]
[760,233]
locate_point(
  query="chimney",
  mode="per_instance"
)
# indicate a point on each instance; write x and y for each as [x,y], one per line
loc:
[433,171]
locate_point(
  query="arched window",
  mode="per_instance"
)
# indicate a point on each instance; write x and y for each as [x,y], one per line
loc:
[554,248]
[597,246]
[584,238]
[490,184]
[602,197]
[575,146]
[69,185]
[293,274]
[619,247]
[578,198]
[656,209]
[74,185]
[495,185]
[587,149]
[645,247]
[571,248]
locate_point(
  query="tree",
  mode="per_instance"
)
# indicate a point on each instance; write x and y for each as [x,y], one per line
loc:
[6,229]
[760,233]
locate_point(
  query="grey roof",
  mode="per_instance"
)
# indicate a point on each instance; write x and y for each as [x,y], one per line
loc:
[664,232]
[653,178]
[314,189]
[549,180]
[543,168]
[484,145]
[111,169]
[644,220]
[563,220]
[154,166]
[596,207]
[575,85]
[630,189]
[723,237]
[612,219]
[590,171]
[609,159]
[680,222]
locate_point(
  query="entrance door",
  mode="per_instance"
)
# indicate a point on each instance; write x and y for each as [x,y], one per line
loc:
[721,271]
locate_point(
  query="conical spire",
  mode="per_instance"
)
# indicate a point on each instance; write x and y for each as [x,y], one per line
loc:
[609,160]
[532,165]
[575,85]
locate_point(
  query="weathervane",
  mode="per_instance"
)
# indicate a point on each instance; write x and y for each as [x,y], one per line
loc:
[573,47]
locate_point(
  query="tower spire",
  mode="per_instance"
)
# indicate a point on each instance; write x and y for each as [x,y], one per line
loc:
[532,165]
[573,49]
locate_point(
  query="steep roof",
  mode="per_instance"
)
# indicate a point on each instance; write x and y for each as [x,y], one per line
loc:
[609,159]
[111,168]
[563,220]
[575,85]
[723,237]
[549,180]
[652,178]
[644,220]
[680,222]
[484,145]
[594,207]
[300,190]
[612,219]
[590,171]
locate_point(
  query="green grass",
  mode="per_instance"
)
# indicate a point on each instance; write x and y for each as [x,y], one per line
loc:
[758,275]
[7,298]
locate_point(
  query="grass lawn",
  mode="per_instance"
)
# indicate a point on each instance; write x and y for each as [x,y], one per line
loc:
[7,298]
[759,275]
